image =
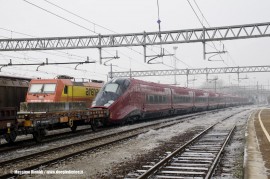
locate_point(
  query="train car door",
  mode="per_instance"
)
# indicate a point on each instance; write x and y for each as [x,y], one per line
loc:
[168,95]
[135,97]
[69,93]
[192,97]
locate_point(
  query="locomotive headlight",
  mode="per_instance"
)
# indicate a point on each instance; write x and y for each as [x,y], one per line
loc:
[94,103]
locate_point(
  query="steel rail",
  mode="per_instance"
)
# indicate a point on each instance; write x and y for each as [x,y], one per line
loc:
[86,150]
[65,135]
[49,138]
[169,157]
[214,164]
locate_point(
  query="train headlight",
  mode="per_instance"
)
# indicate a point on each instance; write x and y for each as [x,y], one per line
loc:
[93,103]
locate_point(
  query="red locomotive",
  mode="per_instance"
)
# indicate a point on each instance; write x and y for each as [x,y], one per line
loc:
[130,99]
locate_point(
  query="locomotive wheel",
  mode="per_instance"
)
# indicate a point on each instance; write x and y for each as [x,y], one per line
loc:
[123,122]
[10,138]
[38,135]
[133,119]
[73,127]
[94,125]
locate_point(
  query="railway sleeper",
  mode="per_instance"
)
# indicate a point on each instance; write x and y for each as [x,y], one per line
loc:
[186,168]
[182,173]
[190,164]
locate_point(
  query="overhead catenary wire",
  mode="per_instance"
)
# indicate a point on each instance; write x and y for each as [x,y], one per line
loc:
[60,16]
[70,55]
[16,32]
[202,24]
[201,13]
[67,19]
[101,25]
[58,51]
[91,23]
[87,21]
[29,57]
[210,26]
[95,24]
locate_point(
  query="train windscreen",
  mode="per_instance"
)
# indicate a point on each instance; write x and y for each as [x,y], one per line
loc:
[110,92]
[42,88]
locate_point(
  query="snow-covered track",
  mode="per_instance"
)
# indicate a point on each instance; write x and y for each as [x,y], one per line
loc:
[197,158]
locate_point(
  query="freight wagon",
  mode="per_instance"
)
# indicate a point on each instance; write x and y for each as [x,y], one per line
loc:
[12,92]
[58,103]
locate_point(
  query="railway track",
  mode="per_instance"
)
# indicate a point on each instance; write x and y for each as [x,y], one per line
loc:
[58,154]
[50,138]
[27,143]
[197,158]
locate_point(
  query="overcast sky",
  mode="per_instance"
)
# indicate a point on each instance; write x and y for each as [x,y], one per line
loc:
[21,19]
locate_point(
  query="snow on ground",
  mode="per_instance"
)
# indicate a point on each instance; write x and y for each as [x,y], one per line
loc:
[102,161]
[232,161]
[253,161]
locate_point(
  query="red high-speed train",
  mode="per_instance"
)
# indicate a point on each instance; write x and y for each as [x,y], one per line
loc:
[129,99]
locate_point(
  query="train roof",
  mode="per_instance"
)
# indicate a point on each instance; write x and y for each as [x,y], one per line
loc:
[14,78]
[13,81]
[68,82]
[211,93]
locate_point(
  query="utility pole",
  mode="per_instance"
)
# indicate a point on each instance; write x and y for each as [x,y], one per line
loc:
[215,82]
[111,72]
[175,48]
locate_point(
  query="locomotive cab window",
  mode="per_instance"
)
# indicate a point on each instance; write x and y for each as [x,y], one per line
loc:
[111,92]
[36,88]
[42,88]
[111,87]
[49,88]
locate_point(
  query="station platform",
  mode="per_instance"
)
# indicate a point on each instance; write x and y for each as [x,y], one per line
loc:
[257,152]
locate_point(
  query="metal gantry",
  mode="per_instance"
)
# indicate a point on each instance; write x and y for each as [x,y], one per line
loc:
[138,39]
[196,71]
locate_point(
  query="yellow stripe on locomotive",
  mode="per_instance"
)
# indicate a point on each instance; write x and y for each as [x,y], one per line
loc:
[74,93]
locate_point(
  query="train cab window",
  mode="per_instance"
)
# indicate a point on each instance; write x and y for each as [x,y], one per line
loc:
[42,88]
[112,87]
[111,91]
[49,88]
[36,88]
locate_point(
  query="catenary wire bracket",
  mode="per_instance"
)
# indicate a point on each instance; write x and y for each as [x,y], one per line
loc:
[153,57]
